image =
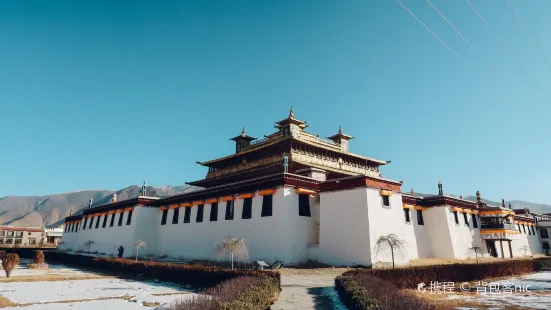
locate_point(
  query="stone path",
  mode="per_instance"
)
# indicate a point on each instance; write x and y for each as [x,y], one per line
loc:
[308,291]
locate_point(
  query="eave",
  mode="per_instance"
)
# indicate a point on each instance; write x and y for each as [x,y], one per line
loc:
[142,200]
[443,200]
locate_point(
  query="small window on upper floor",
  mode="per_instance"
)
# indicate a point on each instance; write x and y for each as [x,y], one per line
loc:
[104,221]
[420,220]
[455,217]
[533,230]
[129,218]
[465,219]
[97,221]
[229,209]
[247,208]
[304,205]
[175,215]
[200,211]
[406,214]
[267,201]
[386,201]
[163,217]
[475,222]
[120,218]
[112,220]
[91,222]
[544,233]
[213,212]
[187,215]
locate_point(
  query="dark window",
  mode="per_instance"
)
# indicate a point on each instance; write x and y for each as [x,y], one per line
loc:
[475,223]
[200,210]
[524,228]
[120,218]
[247,208]
[187,215]
[406,213]
[267,201]
[465,218]
[97,222]
[175,216]
[420,220]
[455,217]
[104,221]
[304,205]
[129,218]
[386,201]
[91,221]
[78,224]
[533,230]
[520,231]
[544,233]
[229,209]
[66,228]
[214,212]
[163,218]
[112,220]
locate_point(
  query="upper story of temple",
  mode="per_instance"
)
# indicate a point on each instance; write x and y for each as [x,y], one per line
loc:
[290,149]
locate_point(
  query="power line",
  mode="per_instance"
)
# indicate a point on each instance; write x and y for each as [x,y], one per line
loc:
[504,46]
[478,53]
[527,33]
[432,33]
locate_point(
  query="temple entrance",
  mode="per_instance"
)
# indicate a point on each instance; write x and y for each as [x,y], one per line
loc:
[490,244]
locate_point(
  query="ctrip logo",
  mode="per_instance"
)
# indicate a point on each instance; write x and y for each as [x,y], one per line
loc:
[421,288]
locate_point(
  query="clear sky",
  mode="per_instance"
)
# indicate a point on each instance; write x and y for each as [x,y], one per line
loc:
[105,94]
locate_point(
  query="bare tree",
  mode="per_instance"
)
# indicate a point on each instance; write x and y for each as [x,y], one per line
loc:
[525,249]
[390,242]
[88,244]
[138,244]
[236,247]
[59,245]
[476,250]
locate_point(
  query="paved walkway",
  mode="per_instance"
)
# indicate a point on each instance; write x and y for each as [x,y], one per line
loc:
[308,291]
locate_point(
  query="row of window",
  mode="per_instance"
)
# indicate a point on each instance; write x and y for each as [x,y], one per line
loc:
[74,227]
[531,229]
[11,233]
[544,233]
[267,210]
[465,219]
[420,220]
[16,241]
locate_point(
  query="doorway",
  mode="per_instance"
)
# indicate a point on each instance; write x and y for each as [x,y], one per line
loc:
[490,244]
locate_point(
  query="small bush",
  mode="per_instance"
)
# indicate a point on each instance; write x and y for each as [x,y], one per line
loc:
[39,257]
[9,261]
[363,291]
[241,293]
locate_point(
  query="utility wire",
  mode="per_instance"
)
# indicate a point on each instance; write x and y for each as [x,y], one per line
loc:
[527,33]
[504,46]
[432,33]
[479,54]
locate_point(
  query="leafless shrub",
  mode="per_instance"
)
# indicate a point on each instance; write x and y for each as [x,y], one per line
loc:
[391,243]
[235,247]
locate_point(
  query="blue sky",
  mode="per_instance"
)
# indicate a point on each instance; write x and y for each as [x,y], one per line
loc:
[105,94]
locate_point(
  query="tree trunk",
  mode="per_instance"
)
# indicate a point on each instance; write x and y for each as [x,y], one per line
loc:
[476,255]
[231,254]
[392,252]
[137,249]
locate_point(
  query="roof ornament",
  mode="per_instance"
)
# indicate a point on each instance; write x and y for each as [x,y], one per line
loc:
[243,131]
[340,129]
[510,207]
[440,190]
[291,113]
[503,202]
[90,203]
[285,164]
[71,212]
[460,196]
[412,192]
[114,199]
[144,189]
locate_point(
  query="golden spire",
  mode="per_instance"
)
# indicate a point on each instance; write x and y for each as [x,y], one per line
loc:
[291,113]
[243,131]
[340,129]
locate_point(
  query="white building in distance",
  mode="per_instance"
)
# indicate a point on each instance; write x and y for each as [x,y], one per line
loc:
[295,197]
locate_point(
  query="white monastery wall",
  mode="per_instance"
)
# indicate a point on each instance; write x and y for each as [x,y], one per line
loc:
[525,240]
[438,232]
[344,228]
[463,235]
[386,220]
[421,234]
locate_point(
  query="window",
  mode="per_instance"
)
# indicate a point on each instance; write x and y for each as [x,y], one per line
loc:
[10,233]
[1,241]
[91,222]
[406,214]
[386,201]
[29,233]
[529,231]
[533,230]
[73,227]
[66,228]
[267,201]
[229,209]
[455,217]
[112,220]
[214,212]
[175,216]
[19,234]
[465,218]
[304,205]
[524,228]
[187,215]
[2,233]
[120,218]
[163,218]
[475,223]
[97,222]
[84,226]
[544,233]
[247,208]
[104,221]
[200,211]
[129,218]
[18,241]
[78,224]
[32,241]
[420,220]
[520,231]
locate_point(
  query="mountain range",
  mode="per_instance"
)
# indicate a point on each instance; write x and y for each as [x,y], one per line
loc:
[50,210]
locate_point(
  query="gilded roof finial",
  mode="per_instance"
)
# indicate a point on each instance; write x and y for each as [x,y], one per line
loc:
[340,129]
[243,131]
[291,113]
